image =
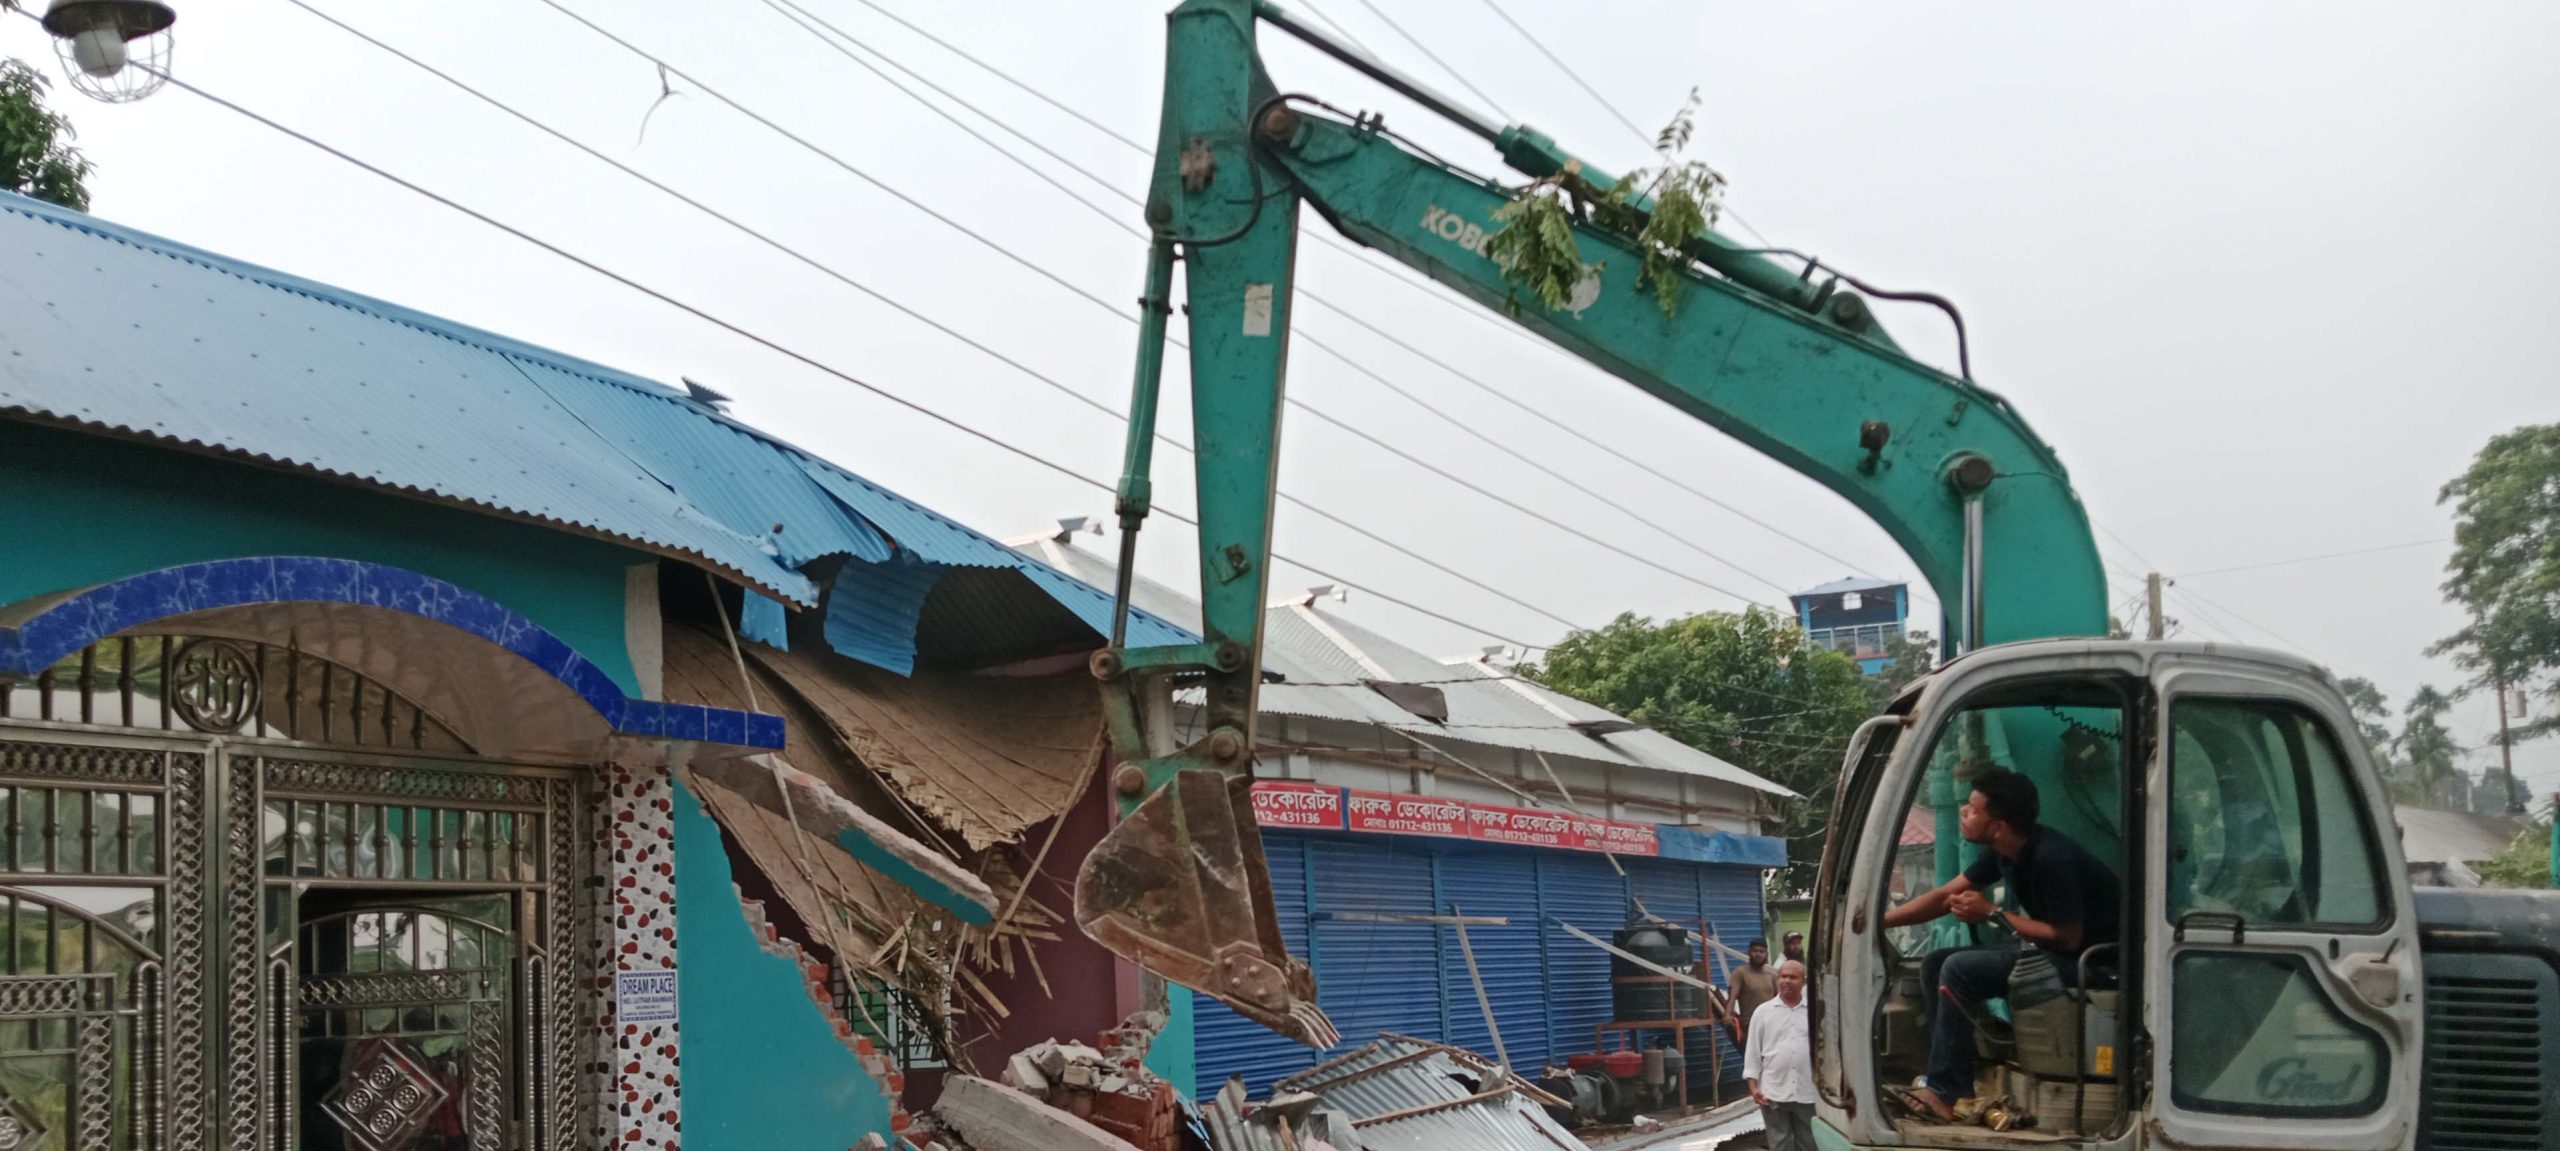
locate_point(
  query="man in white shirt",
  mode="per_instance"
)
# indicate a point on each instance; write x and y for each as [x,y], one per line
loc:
[1777,1062]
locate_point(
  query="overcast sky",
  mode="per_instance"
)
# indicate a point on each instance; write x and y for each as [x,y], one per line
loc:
[2266,275]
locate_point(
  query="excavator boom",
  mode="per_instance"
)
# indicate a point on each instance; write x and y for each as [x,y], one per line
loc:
[1790,362]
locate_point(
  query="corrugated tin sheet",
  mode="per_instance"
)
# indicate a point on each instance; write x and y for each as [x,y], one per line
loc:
[1325,657]
[1497,882]
[1548,989]
[122,331]
[1431,1095]
[1373,977]
[1587,893]
[1853,583]
[873,610]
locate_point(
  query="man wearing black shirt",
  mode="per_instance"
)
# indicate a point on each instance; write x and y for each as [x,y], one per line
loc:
[2069,900]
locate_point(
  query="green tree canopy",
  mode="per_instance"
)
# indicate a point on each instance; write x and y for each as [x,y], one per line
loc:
[36,156]
[2505,570]
[2425,771]
[1743,688]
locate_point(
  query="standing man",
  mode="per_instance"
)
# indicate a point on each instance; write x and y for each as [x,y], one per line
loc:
[1777,1063]
[1792,947]
[1752,984]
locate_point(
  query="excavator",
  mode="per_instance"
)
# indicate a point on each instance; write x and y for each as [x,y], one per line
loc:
[2274,982]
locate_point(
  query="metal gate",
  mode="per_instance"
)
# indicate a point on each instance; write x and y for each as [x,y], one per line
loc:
[249,944]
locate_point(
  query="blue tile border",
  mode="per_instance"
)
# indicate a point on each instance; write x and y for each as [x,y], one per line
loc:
[98,612]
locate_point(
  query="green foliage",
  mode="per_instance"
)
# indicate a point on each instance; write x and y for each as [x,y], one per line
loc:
[1907,657]
[1533,243]
[1687,196]
[1663,209]
[2505,570]
[36,156]
[1743,688]
[2424,771]
[2525,863]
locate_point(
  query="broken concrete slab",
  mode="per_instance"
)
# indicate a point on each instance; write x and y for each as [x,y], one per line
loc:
[994,1117]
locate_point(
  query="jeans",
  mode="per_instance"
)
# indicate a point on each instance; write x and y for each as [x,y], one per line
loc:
[1974,976]
[1790,1126]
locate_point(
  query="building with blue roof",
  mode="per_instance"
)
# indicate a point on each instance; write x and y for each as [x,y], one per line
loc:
[1859,617]
[380,678]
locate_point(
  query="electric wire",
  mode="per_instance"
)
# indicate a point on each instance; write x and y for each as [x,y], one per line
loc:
[788,7]
[1393,272]
[1569,73]
[1063,389]
[536,124]
[1035,93]
[1037,375]
[2314,559]
[1434,57]
[813,27]
[773,345]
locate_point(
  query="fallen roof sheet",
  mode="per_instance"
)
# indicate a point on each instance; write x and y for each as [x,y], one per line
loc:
[1327,661]
[1406,1094]
[986,756]
[121,331]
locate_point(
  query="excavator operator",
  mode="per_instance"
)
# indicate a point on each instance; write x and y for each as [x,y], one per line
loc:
[2069,902]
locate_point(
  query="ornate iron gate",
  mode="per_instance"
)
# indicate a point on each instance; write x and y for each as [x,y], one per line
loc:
[243,944]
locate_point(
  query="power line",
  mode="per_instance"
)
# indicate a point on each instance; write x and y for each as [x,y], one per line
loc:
[788,7]
[2314,559]
[1035,93]
[2226,609]
[773,345]
[1570,74]
[813,26]
[1434,57]
[1045,273]
[1037,375]
[1395,273]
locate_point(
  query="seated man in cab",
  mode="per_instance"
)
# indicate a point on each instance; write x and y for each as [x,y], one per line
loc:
[2068,900]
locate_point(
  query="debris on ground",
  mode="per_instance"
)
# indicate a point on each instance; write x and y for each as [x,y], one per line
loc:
[1107,1086]
[989,1116]
[1397,1094]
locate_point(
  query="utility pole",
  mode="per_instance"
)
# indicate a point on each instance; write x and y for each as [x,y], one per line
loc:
[2151,601]
[2507,754]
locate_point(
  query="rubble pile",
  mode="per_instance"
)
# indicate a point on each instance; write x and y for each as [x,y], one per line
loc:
[1397,1094]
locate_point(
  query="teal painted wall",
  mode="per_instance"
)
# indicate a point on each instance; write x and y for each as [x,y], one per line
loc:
[1175,1055]
[762,1068]
[80,510]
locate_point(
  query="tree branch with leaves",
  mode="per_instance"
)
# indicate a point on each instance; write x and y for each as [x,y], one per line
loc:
[1661,209]
[36,156]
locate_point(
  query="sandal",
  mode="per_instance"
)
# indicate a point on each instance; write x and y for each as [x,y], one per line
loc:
[1914,1102]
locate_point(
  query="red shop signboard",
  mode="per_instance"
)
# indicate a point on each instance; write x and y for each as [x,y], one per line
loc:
[1292,804]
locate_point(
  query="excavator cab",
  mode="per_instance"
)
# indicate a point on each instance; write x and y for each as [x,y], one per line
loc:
[2262,989]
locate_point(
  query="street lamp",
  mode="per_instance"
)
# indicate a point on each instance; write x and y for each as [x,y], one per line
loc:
[113,50]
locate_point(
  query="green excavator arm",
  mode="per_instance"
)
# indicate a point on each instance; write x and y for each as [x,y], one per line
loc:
[1792,363]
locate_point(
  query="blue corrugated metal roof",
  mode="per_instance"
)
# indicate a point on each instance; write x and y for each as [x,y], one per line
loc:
[1853,583]
[123,331]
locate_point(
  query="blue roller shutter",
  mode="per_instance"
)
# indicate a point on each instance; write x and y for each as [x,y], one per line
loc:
[1730,899]
[1230,1044]
[1585,891]
[1500,881]
[1373,977]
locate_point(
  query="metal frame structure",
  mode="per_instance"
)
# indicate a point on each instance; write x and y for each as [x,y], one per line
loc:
[170,902]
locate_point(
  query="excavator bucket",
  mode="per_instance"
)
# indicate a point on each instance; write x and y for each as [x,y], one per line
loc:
[1180,887]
